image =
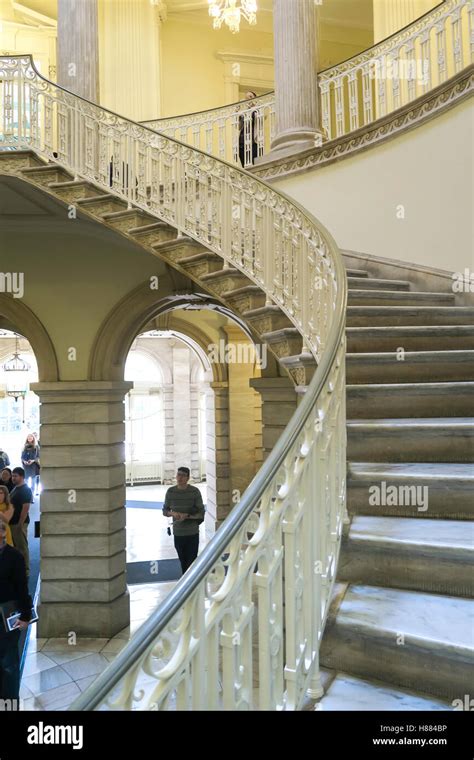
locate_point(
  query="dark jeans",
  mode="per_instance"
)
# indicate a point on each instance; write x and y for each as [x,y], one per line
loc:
[9,665]
[187,548]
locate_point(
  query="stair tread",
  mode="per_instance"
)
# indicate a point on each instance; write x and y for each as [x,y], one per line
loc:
[350,693]
[432,621]
[447,355]
[413,422]
[406,470]
[357,272]
[410,330]
[425,535]
[445,386]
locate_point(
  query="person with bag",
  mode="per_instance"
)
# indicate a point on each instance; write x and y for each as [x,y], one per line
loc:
[183,503]
[13,593]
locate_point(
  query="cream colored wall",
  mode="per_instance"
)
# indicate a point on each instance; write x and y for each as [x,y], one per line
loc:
[409,199]
[193,77]
[17,39]
[392,15]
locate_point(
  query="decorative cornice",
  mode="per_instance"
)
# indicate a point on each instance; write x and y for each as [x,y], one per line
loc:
[410,116]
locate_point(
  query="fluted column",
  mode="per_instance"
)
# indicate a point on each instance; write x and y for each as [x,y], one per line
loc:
[296,88]
[78,47]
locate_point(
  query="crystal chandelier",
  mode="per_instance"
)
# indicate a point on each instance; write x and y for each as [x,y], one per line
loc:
[230,11]
[17,383]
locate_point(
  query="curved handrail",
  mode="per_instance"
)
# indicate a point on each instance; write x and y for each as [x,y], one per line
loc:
[297,499]
[354,93]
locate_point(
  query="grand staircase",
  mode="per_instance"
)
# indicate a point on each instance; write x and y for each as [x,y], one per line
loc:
[399,634]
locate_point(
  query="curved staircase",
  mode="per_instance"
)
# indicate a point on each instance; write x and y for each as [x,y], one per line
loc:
[399,633]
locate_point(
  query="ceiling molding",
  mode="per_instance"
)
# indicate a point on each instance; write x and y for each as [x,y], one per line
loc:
[233,57]
[34,15]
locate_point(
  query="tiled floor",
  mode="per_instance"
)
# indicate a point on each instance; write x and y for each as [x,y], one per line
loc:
[56,671]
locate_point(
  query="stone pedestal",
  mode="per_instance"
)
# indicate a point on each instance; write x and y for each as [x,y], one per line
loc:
[83,541]
[78,47]
[296,89]
[279,402]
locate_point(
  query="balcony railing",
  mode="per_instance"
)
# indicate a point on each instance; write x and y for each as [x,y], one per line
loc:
[353,94]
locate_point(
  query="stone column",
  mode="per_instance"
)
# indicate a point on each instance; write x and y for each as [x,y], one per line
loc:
[219,501]
[279,402]
[194,420]
[83,558]
[169,469]
[296,88]
[181,404]
[78,47]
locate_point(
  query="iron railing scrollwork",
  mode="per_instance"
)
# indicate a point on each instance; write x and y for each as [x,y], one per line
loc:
[241,630]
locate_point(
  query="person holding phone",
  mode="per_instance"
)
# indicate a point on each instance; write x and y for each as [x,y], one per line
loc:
[13,588]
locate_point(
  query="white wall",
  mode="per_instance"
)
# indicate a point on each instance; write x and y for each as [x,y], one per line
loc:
[409,199]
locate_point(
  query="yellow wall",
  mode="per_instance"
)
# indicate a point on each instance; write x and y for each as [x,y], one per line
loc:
[409,199]
[392,15]
[193,77]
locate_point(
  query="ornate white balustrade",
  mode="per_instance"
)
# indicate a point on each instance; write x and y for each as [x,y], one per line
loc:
[242,627]
[353,94]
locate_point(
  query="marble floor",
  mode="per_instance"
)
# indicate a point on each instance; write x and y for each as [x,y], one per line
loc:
[55,671]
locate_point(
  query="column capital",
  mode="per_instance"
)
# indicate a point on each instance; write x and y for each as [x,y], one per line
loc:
[82,390]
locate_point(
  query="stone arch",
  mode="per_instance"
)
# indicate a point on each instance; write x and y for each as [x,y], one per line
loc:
[130,317]
[16,316]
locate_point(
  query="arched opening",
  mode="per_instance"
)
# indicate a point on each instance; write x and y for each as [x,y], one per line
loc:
[166,427]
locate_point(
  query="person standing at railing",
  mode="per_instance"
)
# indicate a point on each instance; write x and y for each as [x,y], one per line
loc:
[248,133]
[184,504]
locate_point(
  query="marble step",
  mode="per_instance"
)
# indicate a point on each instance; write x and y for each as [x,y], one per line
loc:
[422,555]
[409,639]
[300,367]
[46,174]
[128,219]
[176,249]
[415,366]
[246,298]
[19,159]
[73,190]
[357,273]
[411,489]
[377,401]
[101,204]
[267,319]
[397,298]
[285,342]
[424,439]
[410,338]
[392,316]
[225,280]
[345,692]
[153,234]
[201,264]
[375,283]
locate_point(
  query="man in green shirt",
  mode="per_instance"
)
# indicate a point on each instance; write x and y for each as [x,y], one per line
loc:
[184,504]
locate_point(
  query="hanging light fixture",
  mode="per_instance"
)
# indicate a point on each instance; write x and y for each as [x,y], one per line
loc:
[17,377]
[230,12]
